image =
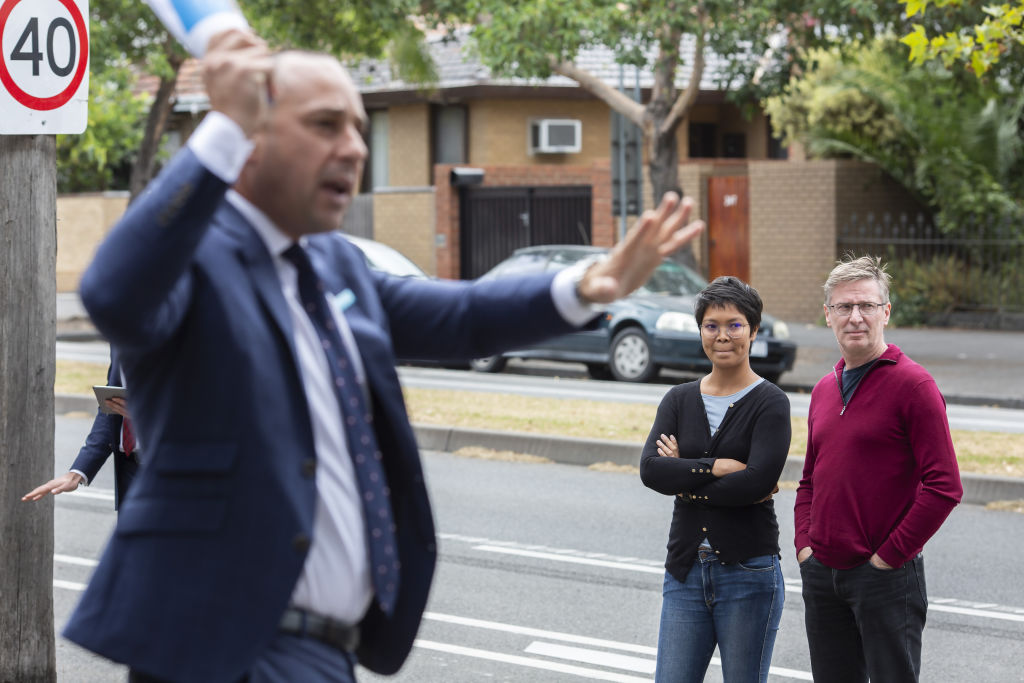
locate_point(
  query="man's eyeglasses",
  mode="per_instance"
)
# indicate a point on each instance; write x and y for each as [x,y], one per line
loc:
[733,330]
[867,309]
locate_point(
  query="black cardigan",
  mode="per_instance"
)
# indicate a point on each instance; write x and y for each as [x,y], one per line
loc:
[755,430]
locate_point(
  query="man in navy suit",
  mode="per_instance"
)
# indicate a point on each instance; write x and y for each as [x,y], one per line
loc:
[104,439]
[244,549]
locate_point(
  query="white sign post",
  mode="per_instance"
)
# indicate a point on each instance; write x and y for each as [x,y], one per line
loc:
[44,66]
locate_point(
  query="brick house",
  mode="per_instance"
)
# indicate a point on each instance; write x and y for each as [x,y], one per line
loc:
[771,221]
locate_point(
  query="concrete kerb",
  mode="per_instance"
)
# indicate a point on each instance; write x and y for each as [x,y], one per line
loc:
[979,489]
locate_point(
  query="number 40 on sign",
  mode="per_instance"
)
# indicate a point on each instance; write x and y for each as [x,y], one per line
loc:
[44,66]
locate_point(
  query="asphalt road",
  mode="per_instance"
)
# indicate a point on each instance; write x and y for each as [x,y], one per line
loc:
[568,380]
[553,573]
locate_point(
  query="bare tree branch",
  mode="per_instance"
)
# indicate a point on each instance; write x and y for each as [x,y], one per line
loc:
[634,111]
[686,98]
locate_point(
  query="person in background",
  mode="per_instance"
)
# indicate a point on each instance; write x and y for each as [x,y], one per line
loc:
[879,479]
[111,434]
[718,446]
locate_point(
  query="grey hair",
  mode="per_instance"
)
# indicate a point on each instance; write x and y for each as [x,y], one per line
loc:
[851,269]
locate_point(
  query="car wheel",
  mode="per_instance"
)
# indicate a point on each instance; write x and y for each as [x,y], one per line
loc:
[599,371]
[488,364]
[631,356]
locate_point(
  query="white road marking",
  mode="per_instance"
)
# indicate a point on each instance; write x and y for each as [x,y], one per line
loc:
[971,612]
[590,656]
[570,558]
[99,494]
[69,585]
[71,559]
[539,633]
[592,674]
[949,605]
[596,657]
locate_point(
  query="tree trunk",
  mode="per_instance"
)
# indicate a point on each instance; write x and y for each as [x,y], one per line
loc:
[660,131]
[156,123]
[28,310]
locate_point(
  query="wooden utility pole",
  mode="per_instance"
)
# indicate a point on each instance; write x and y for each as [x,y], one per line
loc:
[28,310]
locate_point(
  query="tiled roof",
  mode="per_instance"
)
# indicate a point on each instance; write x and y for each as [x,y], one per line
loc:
[457,67]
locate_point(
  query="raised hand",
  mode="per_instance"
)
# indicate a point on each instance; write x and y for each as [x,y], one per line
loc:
[653,237]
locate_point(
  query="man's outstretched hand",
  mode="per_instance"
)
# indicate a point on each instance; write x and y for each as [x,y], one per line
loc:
[654,236]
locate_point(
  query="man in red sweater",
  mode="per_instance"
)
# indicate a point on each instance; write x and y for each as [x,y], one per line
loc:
[879,479]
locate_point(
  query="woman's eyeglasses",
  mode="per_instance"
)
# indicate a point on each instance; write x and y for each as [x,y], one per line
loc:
[732,330]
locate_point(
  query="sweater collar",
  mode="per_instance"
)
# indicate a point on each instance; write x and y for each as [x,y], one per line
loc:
[891,355]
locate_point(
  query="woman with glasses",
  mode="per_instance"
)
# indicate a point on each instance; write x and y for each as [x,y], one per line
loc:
[718,446]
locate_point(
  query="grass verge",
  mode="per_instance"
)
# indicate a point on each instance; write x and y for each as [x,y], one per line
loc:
[981,452]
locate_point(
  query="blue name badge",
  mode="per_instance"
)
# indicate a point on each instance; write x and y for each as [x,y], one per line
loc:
[343,300]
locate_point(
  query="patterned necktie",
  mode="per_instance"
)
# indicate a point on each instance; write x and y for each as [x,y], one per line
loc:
[362,442]
[127,436]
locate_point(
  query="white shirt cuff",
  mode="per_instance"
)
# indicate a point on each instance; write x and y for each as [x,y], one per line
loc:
[85,479]
[563,293]
[221,146]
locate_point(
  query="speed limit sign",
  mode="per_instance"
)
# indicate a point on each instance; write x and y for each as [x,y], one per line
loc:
[44,66]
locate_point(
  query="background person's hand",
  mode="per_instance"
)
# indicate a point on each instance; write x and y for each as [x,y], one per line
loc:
[630,264]
[236,72]
[65,482]
[668,446]
[118,405]
[804,553]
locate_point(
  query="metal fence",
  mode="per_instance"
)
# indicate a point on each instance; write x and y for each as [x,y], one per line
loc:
[358,220]
[978,268]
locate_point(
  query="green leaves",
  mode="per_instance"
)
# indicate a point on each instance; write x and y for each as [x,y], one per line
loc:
[950,139]
[978,43]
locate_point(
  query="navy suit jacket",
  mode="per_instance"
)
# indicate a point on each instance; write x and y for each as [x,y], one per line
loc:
[212,537]
[105,438]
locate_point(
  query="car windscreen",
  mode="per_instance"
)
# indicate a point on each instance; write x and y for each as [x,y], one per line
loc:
[673,279]
[388,260]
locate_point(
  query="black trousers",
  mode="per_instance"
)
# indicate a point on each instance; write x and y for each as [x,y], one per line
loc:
[864,622]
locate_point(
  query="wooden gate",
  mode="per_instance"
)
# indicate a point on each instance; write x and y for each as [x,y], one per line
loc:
[729,227]
[495,221]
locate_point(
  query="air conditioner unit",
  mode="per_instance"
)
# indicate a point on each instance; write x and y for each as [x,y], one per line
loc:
[555,136]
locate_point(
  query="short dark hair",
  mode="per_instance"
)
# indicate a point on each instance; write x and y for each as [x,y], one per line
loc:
[727,290]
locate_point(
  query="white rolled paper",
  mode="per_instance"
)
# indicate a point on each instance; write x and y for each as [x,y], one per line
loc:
[194,22]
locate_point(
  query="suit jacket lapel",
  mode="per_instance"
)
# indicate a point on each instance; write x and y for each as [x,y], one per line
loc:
[263,273]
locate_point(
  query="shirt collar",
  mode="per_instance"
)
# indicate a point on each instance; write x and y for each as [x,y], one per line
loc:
[275,240]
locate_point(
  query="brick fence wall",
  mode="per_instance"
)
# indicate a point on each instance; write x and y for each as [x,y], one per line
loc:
[82,222]
[403,218]
[796,211]
[597,175]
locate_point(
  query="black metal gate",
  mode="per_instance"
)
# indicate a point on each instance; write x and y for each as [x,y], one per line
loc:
[495,221]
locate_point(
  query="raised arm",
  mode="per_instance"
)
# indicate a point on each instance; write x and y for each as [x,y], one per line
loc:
[137,288]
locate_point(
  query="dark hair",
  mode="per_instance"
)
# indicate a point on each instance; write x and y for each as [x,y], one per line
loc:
[727,290]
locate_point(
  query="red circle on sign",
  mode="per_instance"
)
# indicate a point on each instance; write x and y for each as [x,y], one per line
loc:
[61,98]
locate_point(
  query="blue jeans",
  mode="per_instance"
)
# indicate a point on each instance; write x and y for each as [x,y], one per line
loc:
[864,622]
[736,606]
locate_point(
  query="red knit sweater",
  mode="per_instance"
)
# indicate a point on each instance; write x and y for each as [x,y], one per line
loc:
[880,474]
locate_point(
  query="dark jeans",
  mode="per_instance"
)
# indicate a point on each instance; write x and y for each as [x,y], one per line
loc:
[735,606]
[864,622]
